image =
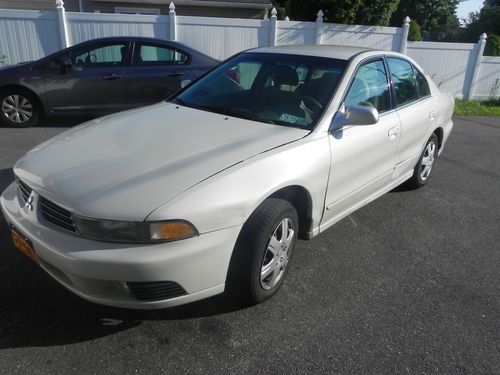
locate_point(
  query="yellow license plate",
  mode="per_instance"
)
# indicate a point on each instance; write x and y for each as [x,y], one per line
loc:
[23,245]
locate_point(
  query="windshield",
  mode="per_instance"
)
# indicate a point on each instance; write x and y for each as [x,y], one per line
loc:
[281,89]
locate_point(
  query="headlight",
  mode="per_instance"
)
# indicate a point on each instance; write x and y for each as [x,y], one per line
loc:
[134,231]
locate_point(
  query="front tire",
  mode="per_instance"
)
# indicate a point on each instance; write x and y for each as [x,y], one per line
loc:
[425,165]
[18,108]
[263,251]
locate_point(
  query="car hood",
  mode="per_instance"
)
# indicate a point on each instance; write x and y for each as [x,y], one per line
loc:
[126,165]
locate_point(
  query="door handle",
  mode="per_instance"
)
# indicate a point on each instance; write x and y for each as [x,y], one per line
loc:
[111,77]
[393,132]
[179,74]
[432,115]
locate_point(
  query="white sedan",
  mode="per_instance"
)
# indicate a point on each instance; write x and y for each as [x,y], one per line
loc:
[209,191]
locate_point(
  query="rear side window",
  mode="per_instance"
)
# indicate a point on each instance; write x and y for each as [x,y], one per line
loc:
[422,84]
[101,55]
[404,81]
[370,87]
[150,54]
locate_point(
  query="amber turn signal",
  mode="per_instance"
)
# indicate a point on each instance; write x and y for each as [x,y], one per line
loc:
[171,230]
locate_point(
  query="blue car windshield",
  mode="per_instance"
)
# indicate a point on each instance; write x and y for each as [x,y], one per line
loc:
[281,89]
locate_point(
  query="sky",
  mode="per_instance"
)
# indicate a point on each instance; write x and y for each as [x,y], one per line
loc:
[468,6]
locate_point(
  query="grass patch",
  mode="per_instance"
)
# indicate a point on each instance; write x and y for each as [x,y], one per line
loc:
[477,108]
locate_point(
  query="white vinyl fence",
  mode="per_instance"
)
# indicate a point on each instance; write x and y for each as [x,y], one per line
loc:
[458,68]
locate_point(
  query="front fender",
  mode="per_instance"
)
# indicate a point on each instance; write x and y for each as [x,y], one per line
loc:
[228,198]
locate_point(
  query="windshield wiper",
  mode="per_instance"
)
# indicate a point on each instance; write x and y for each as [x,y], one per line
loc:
[233,112]
[178,101]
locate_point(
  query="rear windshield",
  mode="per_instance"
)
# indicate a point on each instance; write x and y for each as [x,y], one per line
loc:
[281,89]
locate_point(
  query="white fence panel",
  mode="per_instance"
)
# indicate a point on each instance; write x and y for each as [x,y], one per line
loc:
[27,35]
[488,80]
[449,64]
[387,38]
[294,32]
[86,26]
[221,37]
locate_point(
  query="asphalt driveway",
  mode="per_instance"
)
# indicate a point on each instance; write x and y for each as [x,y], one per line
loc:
[409,284]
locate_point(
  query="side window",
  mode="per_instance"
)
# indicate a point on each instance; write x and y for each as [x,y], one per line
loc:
[422,84]
[370,87]
[404,81]
[149,54]
[101,55]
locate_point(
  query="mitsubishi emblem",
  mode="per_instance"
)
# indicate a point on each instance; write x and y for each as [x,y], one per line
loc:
[29,202]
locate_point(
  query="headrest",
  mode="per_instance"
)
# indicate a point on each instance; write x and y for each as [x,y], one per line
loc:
[286,75]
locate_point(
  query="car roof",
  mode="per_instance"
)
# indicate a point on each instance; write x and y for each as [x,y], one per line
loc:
[129,38]
[323,50]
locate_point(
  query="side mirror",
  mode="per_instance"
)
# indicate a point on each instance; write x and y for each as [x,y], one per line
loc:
[185,83]
[356,115]
[361,115]
[66,66]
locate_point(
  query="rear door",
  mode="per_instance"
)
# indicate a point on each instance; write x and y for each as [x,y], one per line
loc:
[156,72]
[95,81]
[415,110]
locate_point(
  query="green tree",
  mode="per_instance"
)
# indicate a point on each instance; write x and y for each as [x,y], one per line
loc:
[281,8]
[491,3]
[414,32]
[494,45]
[436,18]
[487,20]
[375,12]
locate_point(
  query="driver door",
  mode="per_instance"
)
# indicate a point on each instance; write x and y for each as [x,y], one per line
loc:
[362,156]
[94,83]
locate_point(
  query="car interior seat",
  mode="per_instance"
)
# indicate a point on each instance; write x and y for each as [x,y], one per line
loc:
[286,76]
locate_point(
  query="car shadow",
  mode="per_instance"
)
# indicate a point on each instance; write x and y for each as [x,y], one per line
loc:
[60,121]
[36,311]
[41,313]
[6,177]
[63,121]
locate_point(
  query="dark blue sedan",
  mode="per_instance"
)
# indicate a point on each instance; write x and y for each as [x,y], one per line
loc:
[97,77]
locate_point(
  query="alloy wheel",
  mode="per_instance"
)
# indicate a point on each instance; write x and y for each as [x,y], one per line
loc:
[277,254]
[428,161]
[17,108]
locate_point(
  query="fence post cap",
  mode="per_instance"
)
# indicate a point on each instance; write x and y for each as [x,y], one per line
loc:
[320,14]
[274,12]
[171,7]
[287,18]
[483,37]
[59,3]
[407,20]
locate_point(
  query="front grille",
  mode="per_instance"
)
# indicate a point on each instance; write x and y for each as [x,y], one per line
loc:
[57,215]
[50,211]
[156,290]
[24,189]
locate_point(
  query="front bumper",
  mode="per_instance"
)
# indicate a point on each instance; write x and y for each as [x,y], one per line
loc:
[99,271]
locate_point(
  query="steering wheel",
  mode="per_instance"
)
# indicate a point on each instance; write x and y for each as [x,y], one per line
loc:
[310,104]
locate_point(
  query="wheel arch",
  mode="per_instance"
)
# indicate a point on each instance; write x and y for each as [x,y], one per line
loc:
[301,199]
[439,134]
[27,89]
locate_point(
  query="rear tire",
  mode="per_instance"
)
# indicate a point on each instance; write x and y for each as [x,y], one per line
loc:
[262,254]
[19,108]
[425,165]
